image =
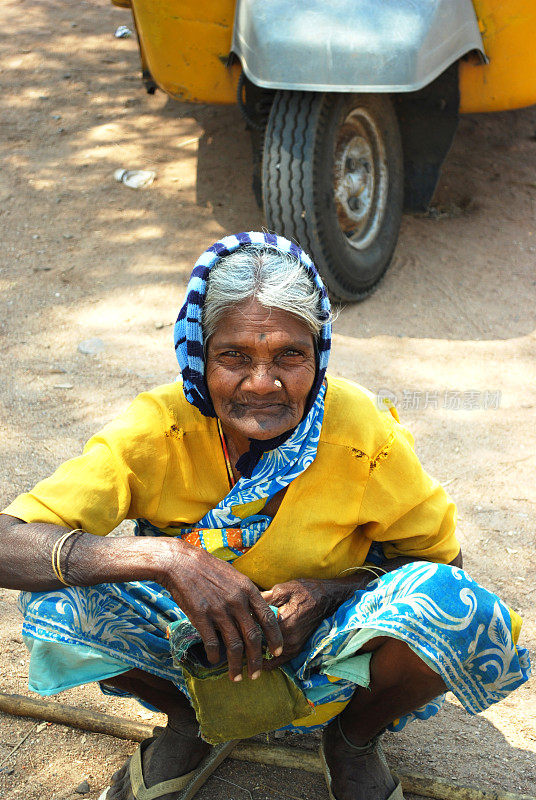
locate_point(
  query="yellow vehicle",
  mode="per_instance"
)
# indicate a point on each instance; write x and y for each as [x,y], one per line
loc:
[352,104]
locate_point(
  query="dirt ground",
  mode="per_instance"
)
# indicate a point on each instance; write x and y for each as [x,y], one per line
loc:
[450,333]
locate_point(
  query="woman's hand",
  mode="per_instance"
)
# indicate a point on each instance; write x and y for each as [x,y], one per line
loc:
[303,604]
[219,600]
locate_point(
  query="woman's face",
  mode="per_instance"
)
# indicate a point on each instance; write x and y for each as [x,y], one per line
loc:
[260,368]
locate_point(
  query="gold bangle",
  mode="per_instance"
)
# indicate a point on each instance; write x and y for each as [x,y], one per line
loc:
[56,555]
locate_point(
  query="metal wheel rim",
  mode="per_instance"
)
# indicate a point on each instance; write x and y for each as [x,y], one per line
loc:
[360,178]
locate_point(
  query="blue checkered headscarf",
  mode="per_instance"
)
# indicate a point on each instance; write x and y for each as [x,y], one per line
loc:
[188,333]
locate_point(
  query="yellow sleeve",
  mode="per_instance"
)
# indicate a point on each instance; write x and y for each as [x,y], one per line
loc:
[404,508]
[118,476]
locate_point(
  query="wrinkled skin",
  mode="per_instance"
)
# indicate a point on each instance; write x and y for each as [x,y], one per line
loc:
[303,604]
[260,368]
[227,603]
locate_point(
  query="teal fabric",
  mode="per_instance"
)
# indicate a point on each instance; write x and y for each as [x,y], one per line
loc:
[355,669]
[55,666]
[339,665]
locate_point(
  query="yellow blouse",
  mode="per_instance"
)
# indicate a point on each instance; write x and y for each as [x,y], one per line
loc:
[162,460]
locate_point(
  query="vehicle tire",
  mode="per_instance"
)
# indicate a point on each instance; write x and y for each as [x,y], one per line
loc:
[333,180]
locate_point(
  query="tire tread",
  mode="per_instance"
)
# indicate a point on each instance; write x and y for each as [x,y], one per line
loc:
[293,204]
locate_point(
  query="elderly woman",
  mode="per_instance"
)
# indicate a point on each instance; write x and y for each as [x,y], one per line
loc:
[284,521]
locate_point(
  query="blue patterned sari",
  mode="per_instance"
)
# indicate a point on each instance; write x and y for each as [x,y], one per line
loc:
[461,630]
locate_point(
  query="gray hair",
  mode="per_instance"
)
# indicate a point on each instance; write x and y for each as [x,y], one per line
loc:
[275,279]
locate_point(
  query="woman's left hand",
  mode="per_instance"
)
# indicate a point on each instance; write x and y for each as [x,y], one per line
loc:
[303,604]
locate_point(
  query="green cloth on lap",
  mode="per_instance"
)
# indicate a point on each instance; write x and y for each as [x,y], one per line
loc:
[226,710]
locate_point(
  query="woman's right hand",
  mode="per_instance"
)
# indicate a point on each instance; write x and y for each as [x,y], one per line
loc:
[217,599]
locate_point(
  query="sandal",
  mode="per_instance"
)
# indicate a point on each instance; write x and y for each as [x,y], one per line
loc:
[373,747]
[185,786]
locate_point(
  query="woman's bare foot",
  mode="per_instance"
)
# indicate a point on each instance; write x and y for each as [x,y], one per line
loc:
[356,773]
[170,755]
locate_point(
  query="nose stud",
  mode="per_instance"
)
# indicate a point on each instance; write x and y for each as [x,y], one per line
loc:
[278,384]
